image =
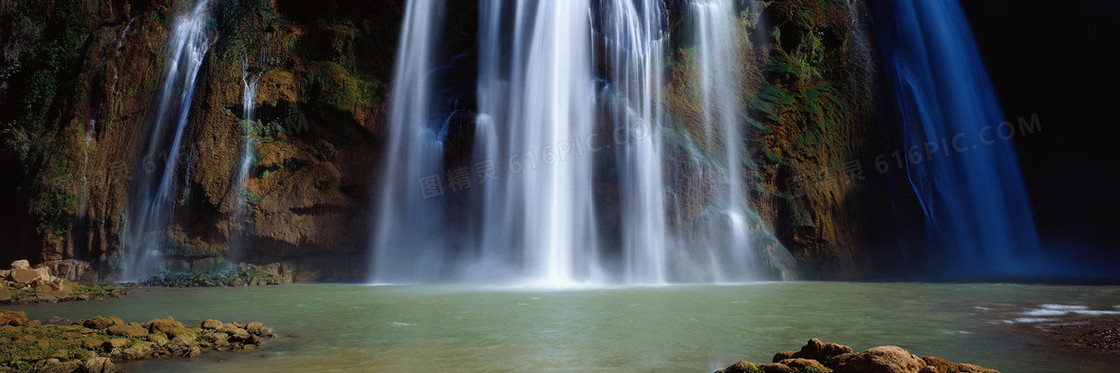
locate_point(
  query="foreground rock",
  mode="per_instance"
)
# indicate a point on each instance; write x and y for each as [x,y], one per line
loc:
[93,345]
[49,283]
[822,357]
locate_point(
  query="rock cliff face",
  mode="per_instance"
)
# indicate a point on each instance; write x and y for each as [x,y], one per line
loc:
[813,135]
[77,79]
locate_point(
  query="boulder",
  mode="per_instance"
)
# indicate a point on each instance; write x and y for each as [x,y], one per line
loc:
[93,342]
[21,264]
[239,335]
[184,345]
[5,294]
[946,366]
[56,366]
[800,364]
[23,276]
[12,318]
[742,366]
[116,343]
[57,288]
[44,273]
[138,351]
[99,365]
[101,323]
[748,367]
[164,325]
[257,328]
[132,330]
[885,359]
[838,360]
[819,351]
[211,324]
[175,333]
[159,339]
[220,340]
[782,355]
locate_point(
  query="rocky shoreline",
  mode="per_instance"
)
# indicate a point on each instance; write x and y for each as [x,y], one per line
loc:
[50,283]
[823,357]
[95,344]
[1091,334]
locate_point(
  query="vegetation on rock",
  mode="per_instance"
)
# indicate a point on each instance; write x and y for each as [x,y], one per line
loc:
[92,345]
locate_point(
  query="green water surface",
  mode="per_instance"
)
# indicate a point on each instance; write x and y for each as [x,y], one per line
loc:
[355,328]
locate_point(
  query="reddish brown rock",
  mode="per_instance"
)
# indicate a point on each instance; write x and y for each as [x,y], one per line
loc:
[884,359]
[782,355]
[211,324]
[945,366]
[838,360]
[100,323]
[821,351]
[799,364]
[12,318]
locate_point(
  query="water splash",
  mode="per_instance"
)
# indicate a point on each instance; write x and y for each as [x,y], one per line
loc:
[970,189]
[153,199]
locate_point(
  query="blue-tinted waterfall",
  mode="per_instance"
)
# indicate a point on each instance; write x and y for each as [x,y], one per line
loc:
[966,175]
[408,238]
[158,175]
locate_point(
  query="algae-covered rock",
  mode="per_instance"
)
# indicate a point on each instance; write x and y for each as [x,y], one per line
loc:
[133,330]
[13,318]
[102,322]
[164,325]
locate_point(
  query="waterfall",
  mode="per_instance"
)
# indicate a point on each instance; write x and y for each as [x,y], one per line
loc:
[408,236]
[536,102]
[723,236]
[633,37]
[152,202]
[249,142]
[569,104]
[967,179]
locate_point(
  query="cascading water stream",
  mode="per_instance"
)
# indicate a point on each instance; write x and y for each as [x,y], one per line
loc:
[633,37]
[152,202]
[568,95]
[408,236]
[725,238]
[535,89]
[970,188]
[239,193]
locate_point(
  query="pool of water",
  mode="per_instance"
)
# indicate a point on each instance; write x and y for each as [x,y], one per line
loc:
[343,328]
